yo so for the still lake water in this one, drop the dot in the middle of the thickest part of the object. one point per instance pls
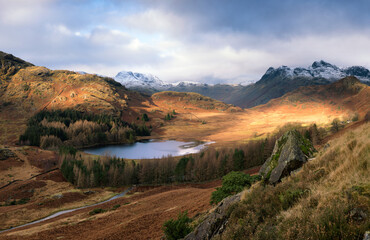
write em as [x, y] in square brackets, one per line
[149, 149]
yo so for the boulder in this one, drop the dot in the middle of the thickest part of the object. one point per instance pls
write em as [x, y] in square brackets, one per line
[291, 151]
[215, 222]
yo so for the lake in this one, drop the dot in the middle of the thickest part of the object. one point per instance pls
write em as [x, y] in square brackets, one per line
[149, 149]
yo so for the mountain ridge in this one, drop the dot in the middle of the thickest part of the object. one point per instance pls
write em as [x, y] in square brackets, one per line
[273, 84]
[318, 69]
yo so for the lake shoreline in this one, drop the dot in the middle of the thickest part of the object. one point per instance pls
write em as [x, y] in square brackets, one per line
[148, 149]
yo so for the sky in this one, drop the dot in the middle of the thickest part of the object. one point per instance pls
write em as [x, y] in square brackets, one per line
[210, 41]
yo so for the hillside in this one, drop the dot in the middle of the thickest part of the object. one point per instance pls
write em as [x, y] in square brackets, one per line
[347, 93]
[29, 89]
[192, 101]
[10, 65]
[320, 104]
[326, 199]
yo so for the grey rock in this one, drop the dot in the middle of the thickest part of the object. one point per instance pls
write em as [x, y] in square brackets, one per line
[215, 222]
[291, 151]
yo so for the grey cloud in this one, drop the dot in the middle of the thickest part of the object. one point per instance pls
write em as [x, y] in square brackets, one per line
[215, 41]
[271, 17]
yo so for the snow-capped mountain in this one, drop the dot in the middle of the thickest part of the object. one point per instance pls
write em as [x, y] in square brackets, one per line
[140, 80]
[319, 69]
[273, 84]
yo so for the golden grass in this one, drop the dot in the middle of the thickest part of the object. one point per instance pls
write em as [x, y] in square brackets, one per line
[237, 127]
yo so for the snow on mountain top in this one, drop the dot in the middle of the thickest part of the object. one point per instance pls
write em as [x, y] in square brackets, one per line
[322, 64]
[131, 79]
[320, 69]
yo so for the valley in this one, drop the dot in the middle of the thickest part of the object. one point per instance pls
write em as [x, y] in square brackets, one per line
[32, 184]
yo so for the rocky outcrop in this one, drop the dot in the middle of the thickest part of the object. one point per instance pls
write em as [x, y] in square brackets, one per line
[215, 222]
[291, 151]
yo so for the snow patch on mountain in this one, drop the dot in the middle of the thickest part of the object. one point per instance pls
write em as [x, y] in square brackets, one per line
[187, 84]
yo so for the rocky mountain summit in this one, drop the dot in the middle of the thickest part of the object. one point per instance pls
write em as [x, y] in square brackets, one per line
[318, 69]
[291, 151]
[139, 80]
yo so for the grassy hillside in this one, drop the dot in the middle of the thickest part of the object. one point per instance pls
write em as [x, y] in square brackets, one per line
[193, 101]
[26, 89]
[328, 198]
[347, 93]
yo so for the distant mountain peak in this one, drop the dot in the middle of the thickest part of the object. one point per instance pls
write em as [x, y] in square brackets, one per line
[318, 69]
[322, 63]
[134, 80]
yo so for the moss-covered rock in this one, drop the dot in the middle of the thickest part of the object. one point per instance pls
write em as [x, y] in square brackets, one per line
[290, 152]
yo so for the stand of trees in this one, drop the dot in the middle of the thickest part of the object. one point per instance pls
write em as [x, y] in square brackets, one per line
[101, 172]
[208, 165]
[51, 129]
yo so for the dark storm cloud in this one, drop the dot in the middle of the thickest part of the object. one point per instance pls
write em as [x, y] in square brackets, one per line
[271, 17]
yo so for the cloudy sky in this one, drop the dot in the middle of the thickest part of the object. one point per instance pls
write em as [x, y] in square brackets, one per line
[186, 40]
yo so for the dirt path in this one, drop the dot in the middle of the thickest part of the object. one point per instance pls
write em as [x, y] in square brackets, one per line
[60, 213]
[140, 216]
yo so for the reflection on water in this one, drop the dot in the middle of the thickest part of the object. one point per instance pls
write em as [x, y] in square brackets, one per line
[149, 149]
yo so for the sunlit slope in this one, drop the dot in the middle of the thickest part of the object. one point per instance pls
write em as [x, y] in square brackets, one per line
[320, 104]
